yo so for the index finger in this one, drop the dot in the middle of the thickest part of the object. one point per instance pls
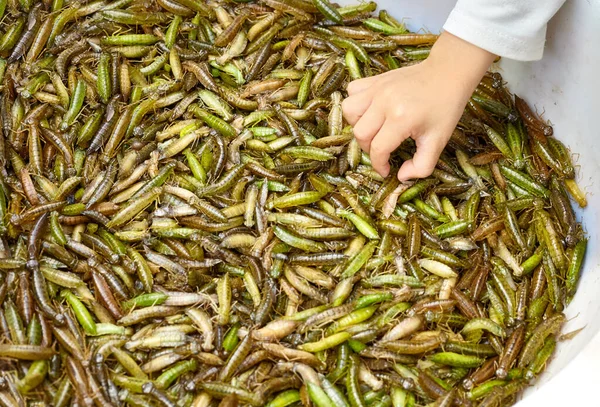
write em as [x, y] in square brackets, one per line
[359, 85]
[354, 107]
[385, 142]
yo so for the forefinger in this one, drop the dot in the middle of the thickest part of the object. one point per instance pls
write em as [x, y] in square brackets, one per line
[385, 142]
[359, 85]
[367, 127]
[354, 107]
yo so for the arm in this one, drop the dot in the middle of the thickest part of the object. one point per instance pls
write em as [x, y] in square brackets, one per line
[514, 29]
[425, 101]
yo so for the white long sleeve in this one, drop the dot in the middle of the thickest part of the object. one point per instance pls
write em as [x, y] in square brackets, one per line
[514, 29]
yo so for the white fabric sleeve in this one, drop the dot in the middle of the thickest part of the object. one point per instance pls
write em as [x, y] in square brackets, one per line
[514, 29]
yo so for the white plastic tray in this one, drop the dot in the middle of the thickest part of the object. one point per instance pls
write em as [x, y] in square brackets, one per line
[565, 85]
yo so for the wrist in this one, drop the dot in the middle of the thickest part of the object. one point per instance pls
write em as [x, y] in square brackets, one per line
[459, 61]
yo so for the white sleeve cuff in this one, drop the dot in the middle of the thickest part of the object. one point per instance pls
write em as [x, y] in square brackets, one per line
[496, 37]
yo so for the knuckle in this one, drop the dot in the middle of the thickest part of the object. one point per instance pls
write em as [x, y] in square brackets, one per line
[360, 136]
[390, 92]
[398, 113]
[353, 86]
[347, 105]
[376, 149]
[381, 144]
[382, 152]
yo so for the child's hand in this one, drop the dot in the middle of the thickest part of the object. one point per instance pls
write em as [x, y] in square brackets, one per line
[423, 102]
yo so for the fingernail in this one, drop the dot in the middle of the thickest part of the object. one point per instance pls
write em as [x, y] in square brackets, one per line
[406, 182]
[403, 180]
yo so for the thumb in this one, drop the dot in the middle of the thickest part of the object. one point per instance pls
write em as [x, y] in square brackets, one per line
[423, 162]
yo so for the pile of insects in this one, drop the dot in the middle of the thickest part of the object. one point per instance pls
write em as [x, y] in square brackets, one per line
[186, 220]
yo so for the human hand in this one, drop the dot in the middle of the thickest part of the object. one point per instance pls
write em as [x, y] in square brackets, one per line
[423, 102]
